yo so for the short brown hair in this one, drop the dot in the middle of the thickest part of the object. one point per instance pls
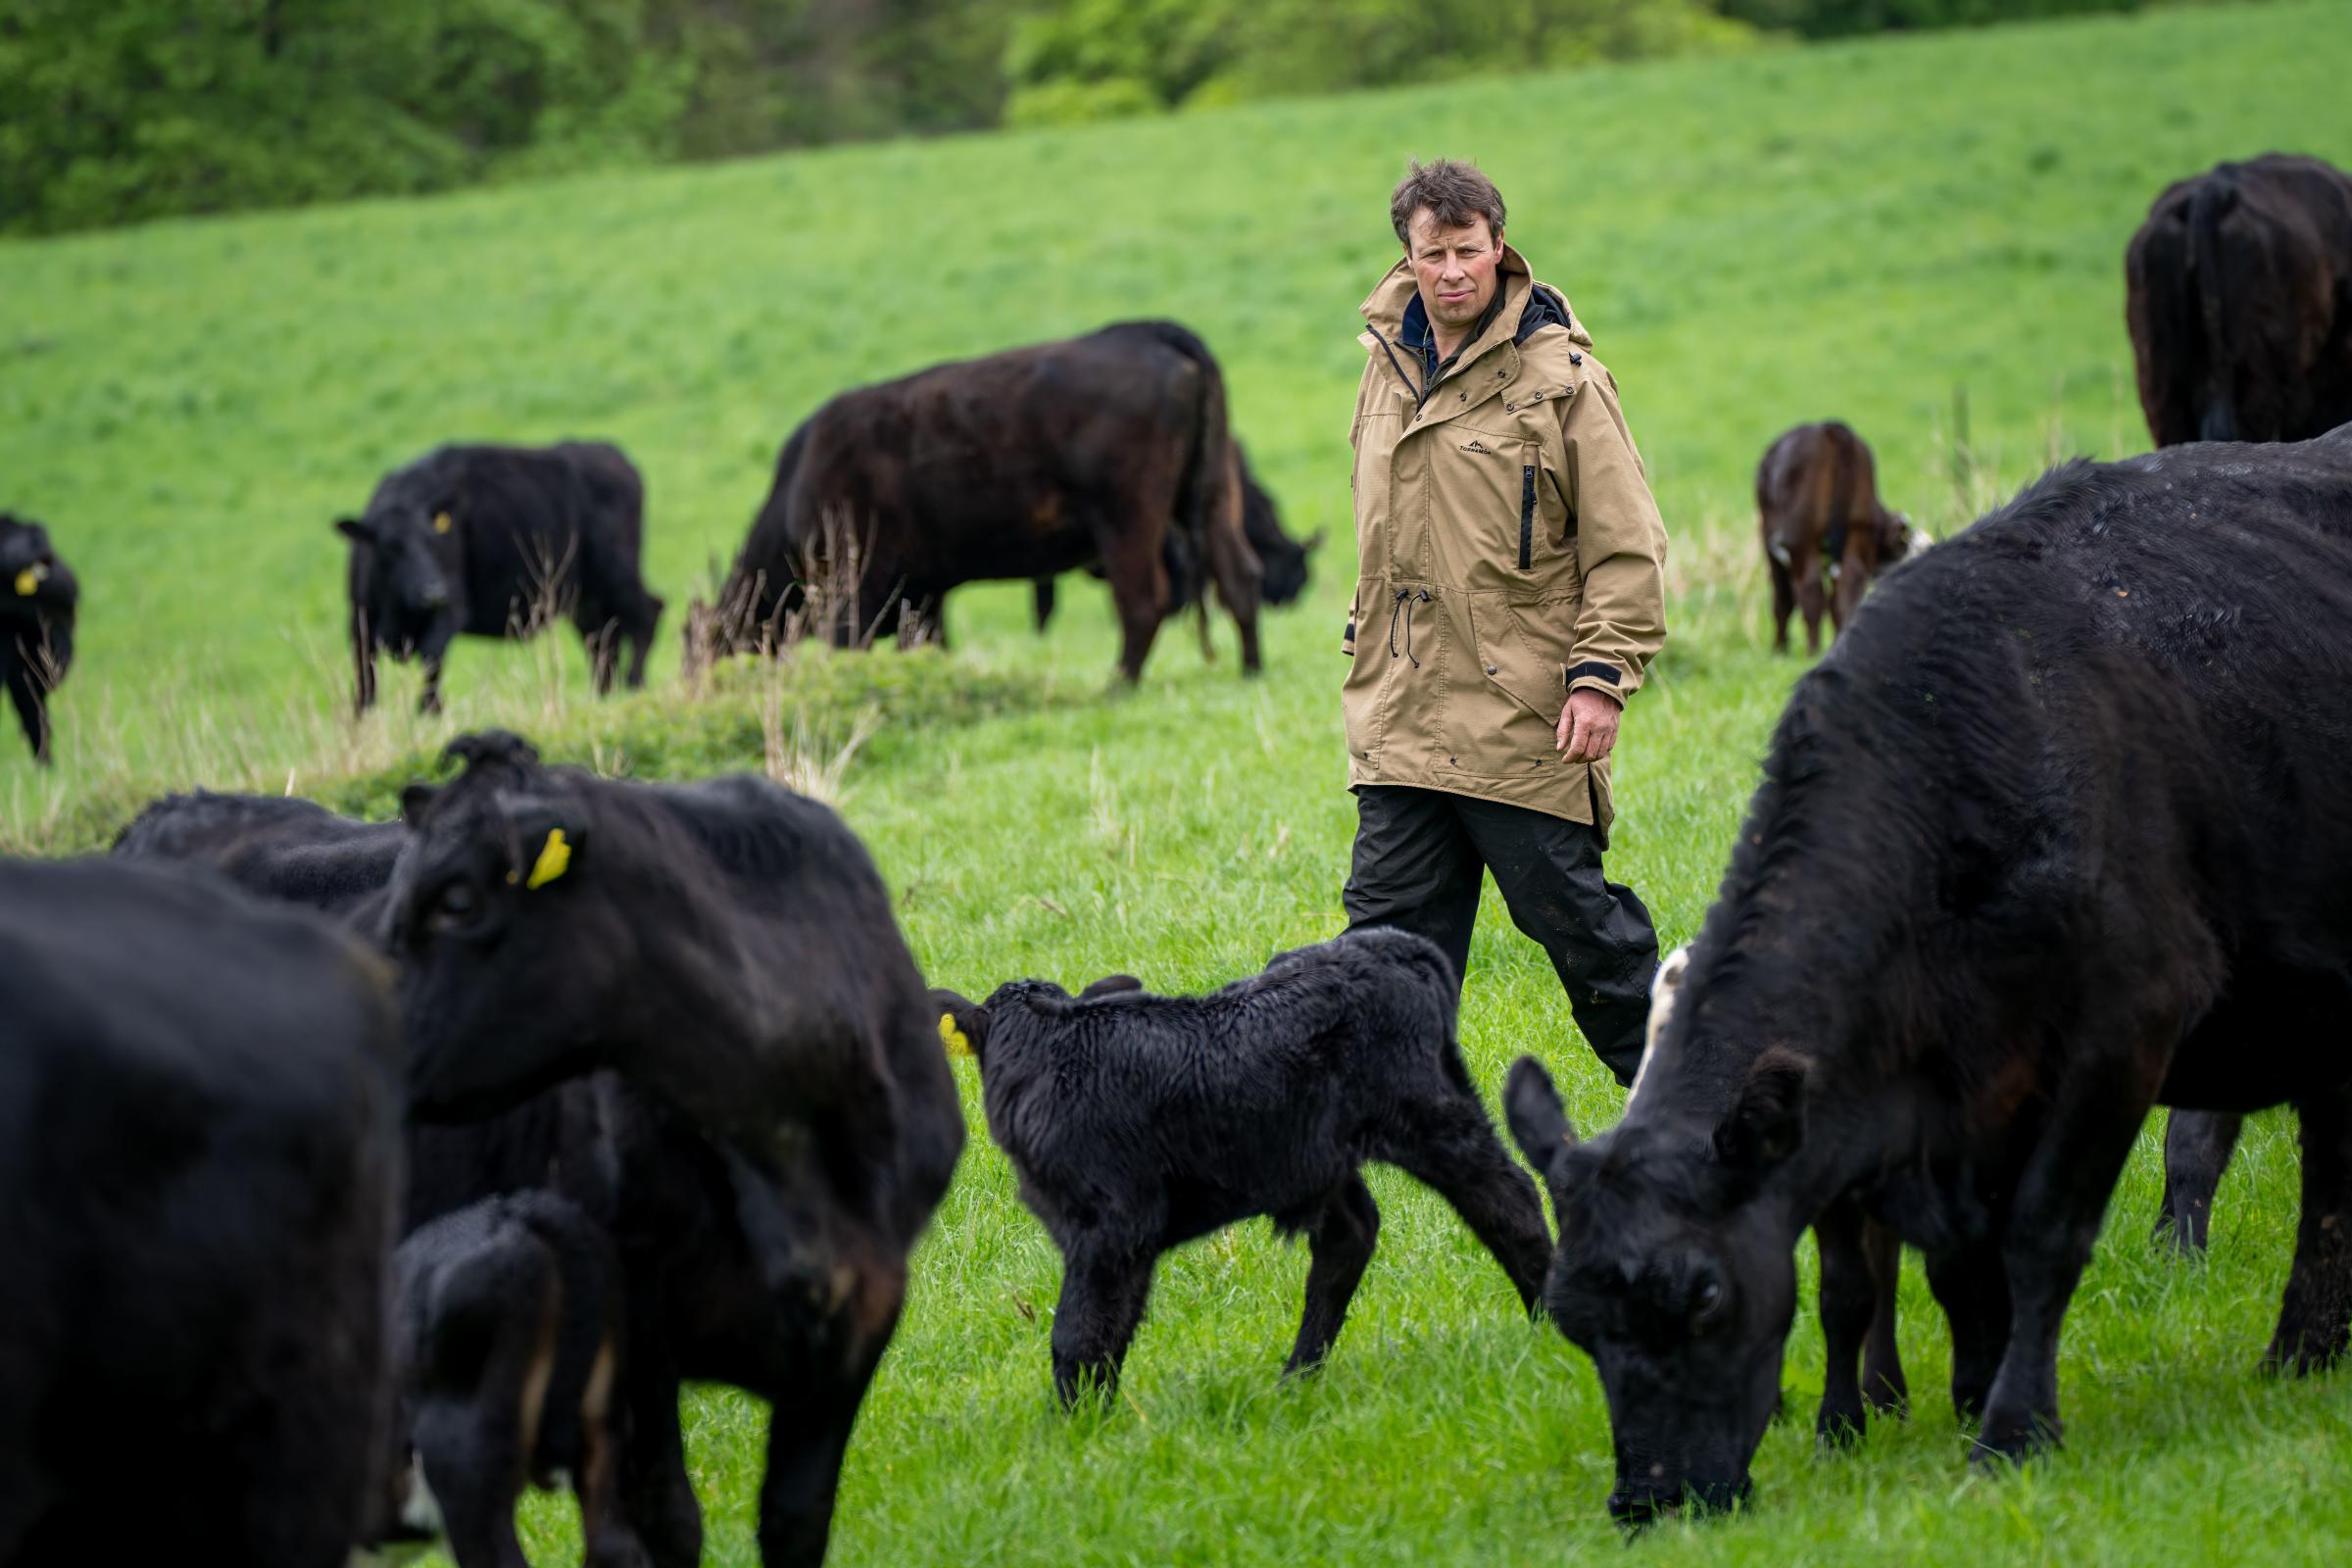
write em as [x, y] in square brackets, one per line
[1454, 193]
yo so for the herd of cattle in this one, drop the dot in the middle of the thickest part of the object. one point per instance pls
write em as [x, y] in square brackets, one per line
[356, 1175]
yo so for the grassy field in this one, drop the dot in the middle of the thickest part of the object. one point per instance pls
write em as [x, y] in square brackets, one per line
[1873, 231]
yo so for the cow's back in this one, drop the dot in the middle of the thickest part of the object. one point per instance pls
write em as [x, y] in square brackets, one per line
[198, 1125]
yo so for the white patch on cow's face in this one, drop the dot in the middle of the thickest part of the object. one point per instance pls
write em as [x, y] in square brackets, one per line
[419, 1509]
[1662, 989]
[1777, 551]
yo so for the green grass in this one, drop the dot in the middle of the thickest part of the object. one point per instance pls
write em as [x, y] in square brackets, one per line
[1853, 231]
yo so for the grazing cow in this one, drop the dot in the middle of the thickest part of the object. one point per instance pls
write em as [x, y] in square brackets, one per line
[1282, 559]
[1860, 1257]
[1825, 532]
[1138, 1123]
[1019, 466]
[729, 948]
[508, 1328]
[37, 624]
[2238, 296]
[2061, 809]
[199, 1124]
[496, 542]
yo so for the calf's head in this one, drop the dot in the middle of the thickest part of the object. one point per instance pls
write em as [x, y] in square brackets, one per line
[1896, 537]
[1675, 1273]
[28, 564]
[412, 584]
[518, 955]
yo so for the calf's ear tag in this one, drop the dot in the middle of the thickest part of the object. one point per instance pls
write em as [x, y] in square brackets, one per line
[26, 581]
[958, 1044]
[555, 859]
[440, 522]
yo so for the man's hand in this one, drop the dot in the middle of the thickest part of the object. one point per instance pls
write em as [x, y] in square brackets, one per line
[1587, 726]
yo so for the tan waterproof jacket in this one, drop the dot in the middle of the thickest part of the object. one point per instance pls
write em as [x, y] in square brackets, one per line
[1509, 553]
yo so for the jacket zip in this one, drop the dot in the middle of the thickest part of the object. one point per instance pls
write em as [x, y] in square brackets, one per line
[1527, 516]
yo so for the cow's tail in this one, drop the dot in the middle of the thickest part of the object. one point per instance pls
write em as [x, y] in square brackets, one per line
[1208, 469]
[2214, 200]
[1844, 469]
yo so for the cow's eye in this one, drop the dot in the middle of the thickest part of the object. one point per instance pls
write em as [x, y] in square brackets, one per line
[1707, 1306]
[454, 905]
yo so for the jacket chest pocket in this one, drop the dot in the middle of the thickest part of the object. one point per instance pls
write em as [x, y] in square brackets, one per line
[1488, 500]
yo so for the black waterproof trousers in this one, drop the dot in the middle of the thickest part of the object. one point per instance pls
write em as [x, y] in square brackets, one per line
[1418, 858]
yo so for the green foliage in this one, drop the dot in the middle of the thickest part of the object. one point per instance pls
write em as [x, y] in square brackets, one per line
[1847, 231]
[1086, 59]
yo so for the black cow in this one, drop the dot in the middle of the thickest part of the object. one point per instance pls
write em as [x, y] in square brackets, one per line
[37, 599]
[2238, 298]
[1283, 561]
[1019, 466]
[199, 1123]
[2101, 867]
[508, 1323]
[728, 946]
[1138, 1123]
[277, 845]
[786, 1287]
[498, 542]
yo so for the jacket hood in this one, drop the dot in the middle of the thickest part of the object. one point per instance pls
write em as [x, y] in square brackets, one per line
[1527, 305]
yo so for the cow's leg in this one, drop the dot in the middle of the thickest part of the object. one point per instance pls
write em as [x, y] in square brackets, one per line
[1138, 588]
[1809, 602]
[655, 1490]
[472, 1460]
[2198, 1145]
[602, 639]
[1235, 572]
[1853, 575]
[1883, 1386]
[24, 692]
[362, 658]
[605, 1530]
[1974, 1292]
[637, 631]
[1783, 602]
[1103, 1290]
[2315, 1317]
[1342, 1235]
[430, 702]
[2053, 1222]
[809, 1435]
[1849, 1299]
[1448, 1143]
[1042, 601]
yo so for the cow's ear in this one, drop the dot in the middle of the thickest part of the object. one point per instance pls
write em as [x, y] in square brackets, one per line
[415, 801]
[1767, 1122]
[551, 852]
[962, 1025]
[354, 528]
[1540, 1127]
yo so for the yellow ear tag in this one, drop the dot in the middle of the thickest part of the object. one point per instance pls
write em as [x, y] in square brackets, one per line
[955, 1039]
[555, 859]
[28, 580]
[440, 522]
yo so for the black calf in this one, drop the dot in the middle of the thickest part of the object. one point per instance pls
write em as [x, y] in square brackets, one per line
[37, 599]
[509, 1330]
[1138, 1123]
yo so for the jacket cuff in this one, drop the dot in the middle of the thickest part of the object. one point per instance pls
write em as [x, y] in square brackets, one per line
[1598, 675]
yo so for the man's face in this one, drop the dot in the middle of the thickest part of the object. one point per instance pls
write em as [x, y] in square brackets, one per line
[1455, 269]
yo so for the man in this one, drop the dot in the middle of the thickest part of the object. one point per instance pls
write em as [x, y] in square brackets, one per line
[1509, 598]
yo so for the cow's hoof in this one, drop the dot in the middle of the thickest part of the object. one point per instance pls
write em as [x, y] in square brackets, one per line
[2299, 1355]
[2008, 1442]
[1838, 1431]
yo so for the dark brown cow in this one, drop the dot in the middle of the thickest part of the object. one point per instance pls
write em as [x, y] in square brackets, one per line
[1018, 465]
[2240, 301]
[1825, 533]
